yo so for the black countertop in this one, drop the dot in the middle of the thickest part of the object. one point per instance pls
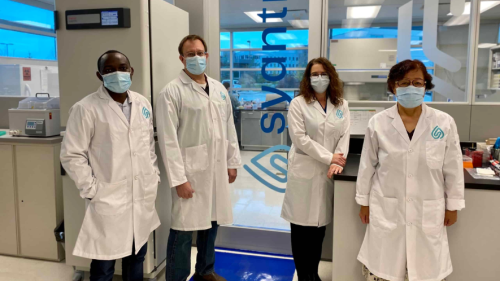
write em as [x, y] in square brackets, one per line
[350, 173]
[262, 109]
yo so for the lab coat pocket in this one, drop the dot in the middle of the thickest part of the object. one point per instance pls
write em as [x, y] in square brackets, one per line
[383, 212]
[435, 154]
[110, 199]
[433, 216]
[150, 185]
[303, 166]
[196, 159]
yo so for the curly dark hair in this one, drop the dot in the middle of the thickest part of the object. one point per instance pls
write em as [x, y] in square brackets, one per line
[334, 91]
[399, 71]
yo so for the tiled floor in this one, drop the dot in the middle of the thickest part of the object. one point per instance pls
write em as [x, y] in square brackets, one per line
[18, 269]
[254, 204]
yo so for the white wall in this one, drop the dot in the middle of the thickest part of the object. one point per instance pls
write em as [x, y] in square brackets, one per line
[37, 68]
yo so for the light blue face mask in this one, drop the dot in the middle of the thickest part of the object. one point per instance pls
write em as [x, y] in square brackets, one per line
[117, 82]
[196, 65]
[410, 97]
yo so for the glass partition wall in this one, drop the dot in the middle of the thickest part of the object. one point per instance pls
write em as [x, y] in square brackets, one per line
[487, 86]
[263, 58]
[366, 38]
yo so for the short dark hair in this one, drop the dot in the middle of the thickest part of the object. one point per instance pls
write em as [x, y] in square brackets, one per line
[399, 71]
[100, 62]
[192, 37]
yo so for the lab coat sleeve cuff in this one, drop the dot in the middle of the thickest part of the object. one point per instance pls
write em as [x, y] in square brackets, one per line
[177, 183]
[363, 200]
[90, 193]
[337, 166]
[234, 166]
[455, 204]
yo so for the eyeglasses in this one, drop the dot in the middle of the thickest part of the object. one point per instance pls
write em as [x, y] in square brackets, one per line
[193, 54]
[419, 83]
[315, 74]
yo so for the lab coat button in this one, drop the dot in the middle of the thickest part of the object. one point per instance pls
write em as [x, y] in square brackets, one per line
[408, 224]
[135, 153]
[410, 176]
[136, 177]
[411, 150]
[409, 200]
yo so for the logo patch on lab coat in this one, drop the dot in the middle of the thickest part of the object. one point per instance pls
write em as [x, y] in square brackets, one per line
[340, 114]
[437, 133]
[223, 96]
[145, 112]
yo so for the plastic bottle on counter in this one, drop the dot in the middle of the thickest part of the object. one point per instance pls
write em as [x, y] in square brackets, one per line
[477, 159]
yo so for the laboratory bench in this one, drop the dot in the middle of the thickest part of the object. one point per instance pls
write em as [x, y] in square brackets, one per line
[31, 197]
[473, 240]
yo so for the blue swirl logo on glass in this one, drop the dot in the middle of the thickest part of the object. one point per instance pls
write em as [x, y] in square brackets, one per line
[273, 161]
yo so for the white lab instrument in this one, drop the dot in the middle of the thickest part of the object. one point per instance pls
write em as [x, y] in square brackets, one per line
[277, 106]
[408, 186]
[36, 117]
[150, 42]
[316, 135]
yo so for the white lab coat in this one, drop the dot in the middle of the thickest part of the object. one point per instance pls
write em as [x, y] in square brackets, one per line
[408, 185]
[198, 144]
[316, 136]
[113, 163]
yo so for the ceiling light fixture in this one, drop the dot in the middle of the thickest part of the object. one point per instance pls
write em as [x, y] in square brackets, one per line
[485, 6]
[363, 12]
[254, 15]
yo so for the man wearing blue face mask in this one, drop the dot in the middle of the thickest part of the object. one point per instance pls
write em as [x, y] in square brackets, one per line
[109, 152]
[200, 150]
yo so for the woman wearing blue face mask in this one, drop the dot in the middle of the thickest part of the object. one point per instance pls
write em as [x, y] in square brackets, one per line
[319, 123]
[410, 183]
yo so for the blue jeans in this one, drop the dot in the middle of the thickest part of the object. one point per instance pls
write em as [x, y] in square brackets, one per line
[179, 253]
[132, 267]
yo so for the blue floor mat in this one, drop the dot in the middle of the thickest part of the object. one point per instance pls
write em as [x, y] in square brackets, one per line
[236, 267]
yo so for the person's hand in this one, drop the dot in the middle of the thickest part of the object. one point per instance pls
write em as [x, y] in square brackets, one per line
[334, 170]
[338, 158]
[185, 191]
[450, 218]
[364, 214]
[232, 173]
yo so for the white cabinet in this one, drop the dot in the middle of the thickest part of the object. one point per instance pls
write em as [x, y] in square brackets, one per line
[30, 199]
[8, 229]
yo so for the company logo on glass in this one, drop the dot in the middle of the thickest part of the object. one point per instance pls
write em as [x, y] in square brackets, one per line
[273, 161]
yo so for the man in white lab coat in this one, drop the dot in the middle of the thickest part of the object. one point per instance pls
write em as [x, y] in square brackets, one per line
[200, 150]
[109, 151]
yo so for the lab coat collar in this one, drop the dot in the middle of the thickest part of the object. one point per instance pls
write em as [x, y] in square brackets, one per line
[422, 124]
[185, 79]
[329, 107]
[103, 94]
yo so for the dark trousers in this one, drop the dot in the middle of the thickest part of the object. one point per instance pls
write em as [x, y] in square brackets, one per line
[132, 267]
[179, 253]
[307, 244]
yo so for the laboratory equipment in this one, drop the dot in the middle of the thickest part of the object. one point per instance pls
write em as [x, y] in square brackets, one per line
[36, 117]
[467, 162]
[150, 41]
[494, 69]
[277, 106]
[477, 159]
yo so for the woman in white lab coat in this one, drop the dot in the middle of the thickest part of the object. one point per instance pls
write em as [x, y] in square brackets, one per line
[318, 120]
[410, 183]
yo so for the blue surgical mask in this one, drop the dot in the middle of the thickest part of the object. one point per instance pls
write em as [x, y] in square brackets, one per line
[410, 97]
[117, 82]
[196, 65]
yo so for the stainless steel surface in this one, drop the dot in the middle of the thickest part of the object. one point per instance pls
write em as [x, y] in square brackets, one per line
[252, 136]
